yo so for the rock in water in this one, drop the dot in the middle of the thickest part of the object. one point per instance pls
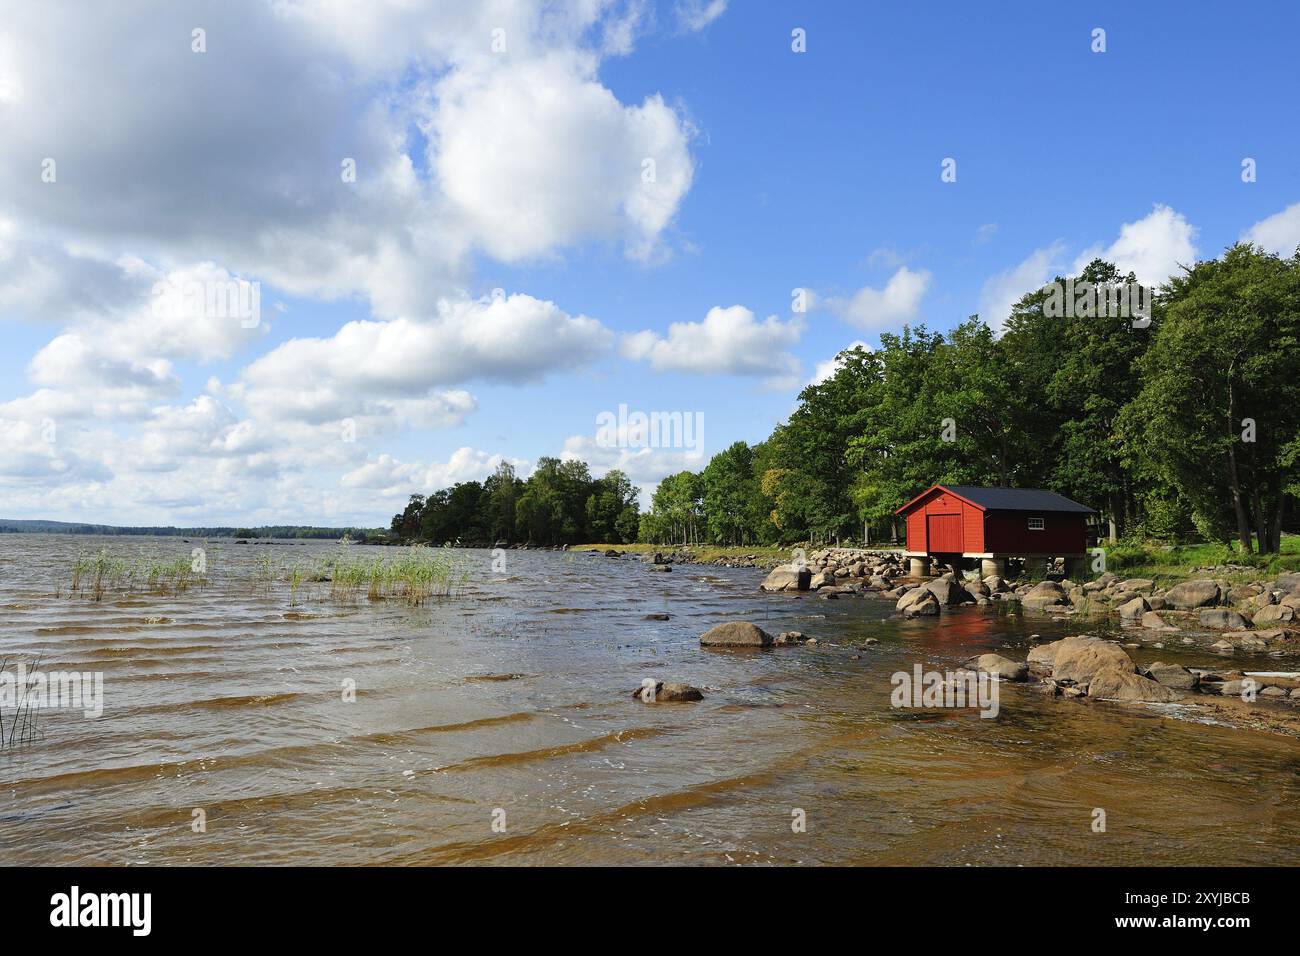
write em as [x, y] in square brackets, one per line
[1192, 594]
[1154, 622]
[1005, 668]
[918, 602]
[948, 592]
[736, 634]
[1222, 618]
[1113, 683]
[1134, 609]
[1045, 594]
[787, 578]
[660, 692]
[1171, 675]
[1081, 658]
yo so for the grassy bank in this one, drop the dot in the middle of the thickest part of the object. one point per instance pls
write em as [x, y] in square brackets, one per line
[1166, 563]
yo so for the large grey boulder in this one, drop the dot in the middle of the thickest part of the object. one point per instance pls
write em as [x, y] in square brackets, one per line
[1042, 656]
[786, 577]
[1190, 595]
[1172, 675]
[1081, 658]
[736, 634]
[1274, 614]
[1223, 619]
[919, 602]
[1045, 594]
[1112, 683]
[1134, 609]
[948, 592]
[1289, 582]
[820, 580]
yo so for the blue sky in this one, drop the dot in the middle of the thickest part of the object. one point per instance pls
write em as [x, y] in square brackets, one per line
[817, 170]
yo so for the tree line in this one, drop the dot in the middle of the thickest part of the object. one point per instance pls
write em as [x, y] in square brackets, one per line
[1182, 423]
[559, 503]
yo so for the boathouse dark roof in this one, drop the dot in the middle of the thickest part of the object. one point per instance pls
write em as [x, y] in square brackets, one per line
[1009, 499]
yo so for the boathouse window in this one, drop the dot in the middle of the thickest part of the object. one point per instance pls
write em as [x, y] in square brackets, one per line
[1035, 524]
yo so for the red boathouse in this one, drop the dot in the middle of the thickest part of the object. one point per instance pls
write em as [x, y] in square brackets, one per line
[963, 524]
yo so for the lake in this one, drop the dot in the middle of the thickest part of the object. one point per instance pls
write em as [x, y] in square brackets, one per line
[497, 726]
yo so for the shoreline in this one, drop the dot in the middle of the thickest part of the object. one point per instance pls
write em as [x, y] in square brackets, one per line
[1198, 614]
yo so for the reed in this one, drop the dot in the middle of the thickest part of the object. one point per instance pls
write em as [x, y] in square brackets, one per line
[94, 575]
[414, 576]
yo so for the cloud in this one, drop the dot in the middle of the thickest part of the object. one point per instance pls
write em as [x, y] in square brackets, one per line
[695, 15]
[370, 365]
[828, 368]
[729, 341]
[1279, 233]
[888, 307]
[505, 144]
[985, 233]
[1000, 292]
[1152, 248]
[476, 130]
[393, 478]
[412, 93]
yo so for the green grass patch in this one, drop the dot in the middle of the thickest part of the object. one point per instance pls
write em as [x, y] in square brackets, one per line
[1166, 563]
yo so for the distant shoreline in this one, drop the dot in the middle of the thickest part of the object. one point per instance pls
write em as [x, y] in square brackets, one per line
[42, 526]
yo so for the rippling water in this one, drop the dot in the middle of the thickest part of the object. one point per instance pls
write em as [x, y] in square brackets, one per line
[511, 702]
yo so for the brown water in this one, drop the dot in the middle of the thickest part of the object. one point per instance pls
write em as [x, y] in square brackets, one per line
[514, 696]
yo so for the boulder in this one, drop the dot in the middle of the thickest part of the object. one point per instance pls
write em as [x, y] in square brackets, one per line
[1190, 595]
[948, 592]
[1134, 609]
[1045, 594]
[1223, 619]
[1289, 582]
[1172, 675]
[1274, 614]
[786, 577]
[995, 583]
[661, 567]
[1107, 578]
[1136, 584]
[917, 603]
[1244, 592]
[1153, 621]
[1081, 658]
[789, 638]
[1005, 668]
[1235, 688]
[1042, 656]
[662, 692]
[736, 634]
[1114, 683]
[820, 580]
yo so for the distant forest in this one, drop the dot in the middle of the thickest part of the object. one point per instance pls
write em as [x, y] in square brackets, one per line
[1186, 426]
[22, 526]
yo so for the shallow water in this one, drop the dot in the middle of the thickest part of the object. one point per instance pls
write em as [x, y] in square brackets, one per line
[511, 702]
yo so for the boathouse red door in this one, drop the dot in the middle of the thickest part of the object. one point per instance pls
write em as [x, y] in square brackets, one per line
[943, 534]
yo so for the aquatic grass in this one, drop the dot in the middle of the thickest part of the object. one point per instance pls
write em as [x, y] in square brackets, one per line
[415, 575]
[94, 575]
